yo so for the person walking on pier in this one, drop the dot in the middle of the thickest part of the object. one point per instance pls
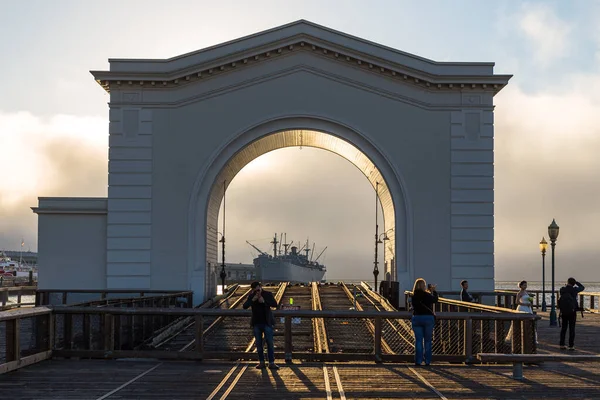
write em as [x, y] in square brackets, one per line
[568, 306]
[423, 320]
[262, 322]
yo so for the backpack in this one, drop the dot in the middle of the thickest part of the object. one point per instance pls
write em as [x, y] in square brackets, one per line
[567, 304]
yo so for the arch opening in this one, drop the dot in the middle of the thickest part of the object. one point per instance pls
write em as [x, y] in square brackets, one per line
[204, 237]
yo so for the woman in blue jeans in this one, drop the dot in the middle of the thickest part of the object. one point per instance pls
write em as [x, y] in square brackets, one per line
[423, 319]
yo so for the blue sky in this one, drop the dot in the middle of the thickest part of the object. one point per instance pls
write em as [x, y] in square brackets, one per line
[547, 119]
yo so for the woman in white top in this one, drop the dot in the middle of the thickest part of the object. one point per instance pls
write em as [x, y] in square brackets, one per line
[523, 305]
[523, 299]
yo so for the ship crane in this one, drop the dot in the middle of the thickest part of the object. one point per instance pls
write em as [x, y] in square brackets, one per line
[320, 254]
[257, 249]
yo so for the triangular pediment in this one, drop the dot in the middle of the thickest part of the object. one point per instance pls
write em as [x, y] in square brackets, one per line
[296, 37]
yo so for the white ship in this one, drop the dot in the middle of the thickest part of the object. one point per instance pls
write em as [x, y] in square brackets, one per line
[288, 267]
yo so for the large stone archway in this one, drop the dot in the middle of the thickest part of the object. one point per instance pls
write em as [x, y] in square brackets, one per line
[289, 132]
[177, 124]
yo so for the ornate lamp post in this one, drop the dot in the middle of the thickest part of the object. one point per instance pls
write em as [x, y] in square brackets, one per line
[553, 234]
[377, 241]
[222, 241]
[543, 247]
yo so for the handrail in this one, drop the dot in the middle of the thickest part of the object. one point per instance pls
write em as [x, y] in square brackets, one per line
[289, 313]
[469, 305]
[128, 300]
[5, 293]
[44, 332]
[476, 306]
[42, 296]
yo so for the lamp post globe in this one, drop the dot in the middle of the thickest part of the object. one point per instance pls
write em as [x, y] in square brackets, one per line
[553, 230]
[543, 248]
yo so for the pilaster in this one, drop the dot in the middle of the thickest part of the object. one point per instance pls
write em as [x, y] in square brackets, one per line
[129, 225]
[472, 192]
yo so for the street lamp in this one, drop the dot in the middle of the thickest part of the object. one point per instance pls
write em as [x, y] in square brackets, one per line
[223, 274]
[543, 247]
[222, 241]
[553, 234]
[377, 241]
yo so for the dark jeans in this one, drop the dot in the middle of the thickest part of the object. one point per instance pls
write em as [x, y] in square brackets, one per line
[259, 330]
[568, 321]
[423, 327]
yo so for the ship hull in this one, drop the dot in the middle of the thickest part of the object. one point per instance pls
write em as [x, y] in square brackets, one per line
[273, 270]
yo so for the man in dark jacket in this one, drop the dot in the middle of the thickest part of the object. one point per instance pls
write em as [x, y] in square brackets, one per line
[568, 306]
[262, 322]
[464, 294]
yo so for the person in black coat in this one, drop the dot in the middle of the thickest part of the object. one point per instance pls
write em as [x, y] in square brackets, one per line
[423, 320]
[262, 322]
[568, 306]
[464, 294]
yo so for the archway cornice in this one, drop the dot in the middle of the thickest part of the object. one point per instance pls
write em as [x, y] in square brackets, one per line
[300, 42]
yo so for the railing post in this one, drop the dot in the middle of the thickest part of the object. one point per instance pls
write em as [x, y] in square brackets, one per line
[468, 351]
[528, 335]
[378, 339]
[13, 347]
[64, 298]
[109, 329]
[592, 303]
[51, 330]
[199, 334]
[288, 339]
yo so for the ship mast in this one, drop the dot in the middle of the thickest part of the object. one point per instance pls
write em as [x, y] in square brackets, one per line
[274, 243]
[307, 250]
[286, 244]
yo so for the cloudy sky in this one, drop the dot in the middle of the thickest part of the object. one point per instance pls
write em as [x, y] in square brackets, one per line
[53, 117]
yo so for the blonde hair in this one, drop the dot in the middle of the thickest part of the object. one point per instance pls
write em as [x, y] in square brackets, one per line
[420, 284]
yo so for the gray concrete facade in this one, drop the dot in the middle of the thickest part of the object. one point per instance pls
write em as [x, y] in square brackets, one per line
[182, 128]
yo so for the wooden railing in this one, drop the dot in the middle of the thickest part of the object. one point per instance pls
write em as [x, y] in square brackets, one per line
[65, 296]
[176, 299]
[507, 299]
[17, 291]
[37, 324]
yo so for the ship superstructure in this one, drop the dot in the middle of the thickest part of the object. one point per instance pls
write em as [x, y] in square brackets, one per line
[292, 266]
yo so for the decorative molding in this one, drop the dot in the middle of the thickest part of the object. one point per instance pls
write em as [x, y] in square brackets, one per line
[127, 81]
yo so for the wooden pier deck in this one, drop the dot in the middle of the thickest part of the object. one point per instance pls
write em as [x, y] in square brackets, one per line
[151, 379]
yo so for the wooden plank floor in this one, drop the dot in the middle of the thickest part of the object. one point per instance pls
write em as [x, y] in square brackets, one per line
[150, 379]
